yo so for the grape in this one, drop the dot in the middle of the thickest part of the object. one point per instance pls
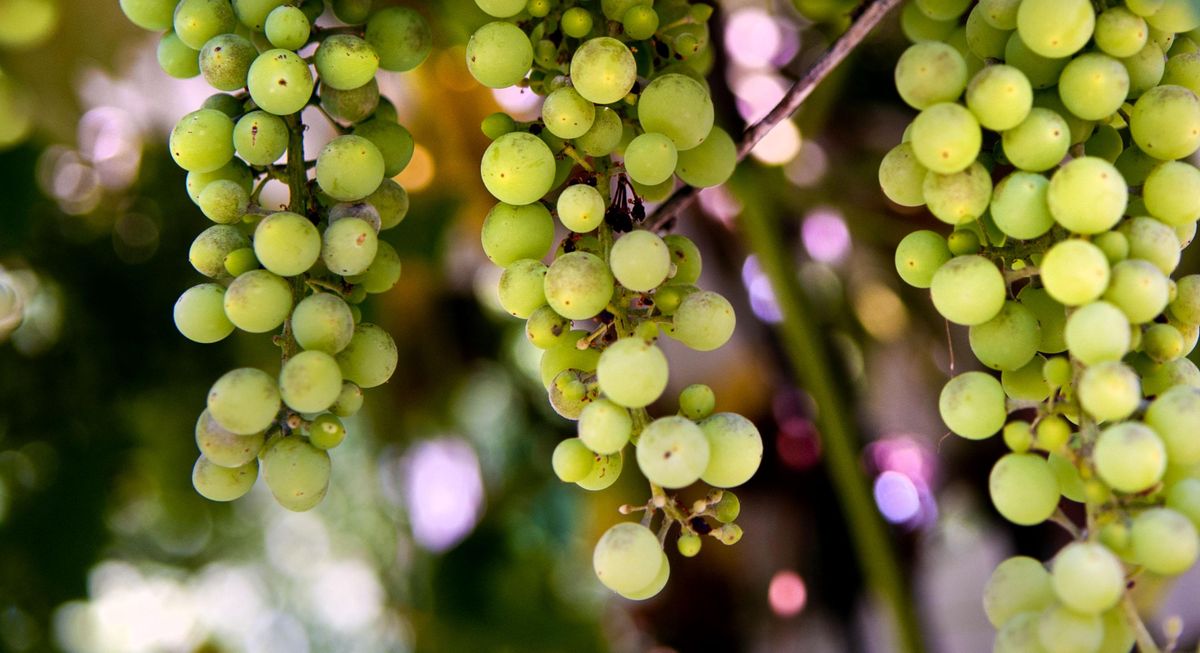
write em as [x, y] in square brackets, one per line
[567, 114]
[664, 572]
[225, 59]
[1120, 32]
[1186, 305]
[627, 558]
[1105, 143]
[1098, 332]
[224, 202]
[984, 40]
[370, 358]
[349, 246]
[1087, 195]
[1165, 541]
[323, 322]
[735, 450]
[709, 164]
[1075, 272]
[226, 104]
[1109, 391]
[501, 8]
[603, 136]
[153, 15]
[499, 55]
[1069, 480]
[310, 381]
[1019, 205]
[580, 208]
[963, 241]
[1139, 289]
[545, 328]
[1114, 244]
[1009, 340]
[1018, 436]
[1056, 28]
[572, 460]
[1173, 416]
[650, 159]
[1093, 86]
[1000, 96]
[1184, 498]
[686, 258]
[1172, 193]
[901, 176]
[640, 260]
[918, 257]
[202, 141]
[605, 471]
[518, 168]
[1026, 383]
[326, 432]
[1162, 343]
[349, 401]
[565, 355]
[234, 171]
[383, 273]
[576, 22]
[280, 82]
[918, 27]
[946, 138]
[1145, 69]
[297, 473]
[240, 261]
[603, 70]
[244, 401]
[1039, 142]
[697, 402]
[287, 28]
[1087, 577]
[672, 452]
[960, 197]
[401, 36]
[578, 285]
[632, 373]
[286, 243]
[1018, 635]
[1175, 16]
[1153, 241]
[570, 392]
[1057, 371]
[197, 21]
[200, 314]
[253, 13]
[1163, 377]
[521, 287]
[703, 321]
[1061, 630]
[929, 73]
[1165, 122]
[942, 9]
[1042, 71]
[391, 201]
[176, 58]
[210, 248]
[345, 61]
[604, 427]
[217, 483]
[1129, 457]
[222, 447]
[1183, 70]
[393, 141]
[678, 107]
[354, 105]
[349, 168]
[260, 138]
[1001, 14]
[258, 301]
[1018, 585]
[640, 22]
[972, 405]
[968, 290]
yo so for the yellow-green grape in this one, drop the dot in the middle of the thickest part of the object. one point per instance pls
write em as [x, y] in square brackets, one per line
[1042, 72]
[984, 40]
[918, 27]
[349, 401]
[1164, 541]
[576, 22]
[1183, 70]
[345, 61]
[567, 114]
[565, 355]
[605, 427]
[728, 508]
[1023, 488]
[1162, 343]
[678, 107]
[354, 105]
[1062, 630]
[578, 285]
[326, 431]
[697, 401]
[1087, 577]
[497, 124]
[349, 246]
[572, 461]
[901, 176]
[1184, 497]
[1019, 206]
[253, 13]
[1057, 371]
[391, 201]
[580, 208]
[1075, 272]
[260, 138]
[352, 12]
[570, 392]
[1098, 332]
[640, 260]
[972, 405]
[383, 273]
[197, 21]
[735, 450]
[224, 201]
[1172, 193]
[1093, 86]
[297, 473]
[1018, 635]
[235, 171]
[202, 141]
[1069, 480]
[1053, 433]
[1001, 14]
[153, 15]
[1175, 16]
[650, 159]
[200, 314]
[394, 143]
[258, 301]
[1087, 195]
[310, 381]
[946, 138]
[1165, 122]
[244, 401]
[499, 55]
[1153, 241]
[521, 290]
[1173, 416]
[217, 483]
[1106, 143]
[1186, 305]
[349, 168]
[672, 452]
[685, 256]
[323, 322]
[640, 22]
[176, 58]
[603, 70]
[1120, 32]
[210, 248]
[968, 290]
[703, 321]
[919, 255]
[1018, 585]
[280, 82]
[942, 9]
[627, 558]
[963, 241]
[604, 134]
[1000, 96]
[930, 72]
[511, 232]
[545, 328]
[1160, 378]
[518, 168]
[1018, 436]
[605, 471]
[1146, 69]
[710, 163]
[1109, 391]
[222, 447]
[370, 357]
[960, 197]
[287, 27]
[286, 243]
[655, 586]
[501, 8]
[1139, 289]
[632, 373]
[225, 60]
[688, 545]
[1009, 340]
[401, 36]
[1114, 244]
[1129, 457]
[1039, 143]
[1056, 28]
[1026, 383]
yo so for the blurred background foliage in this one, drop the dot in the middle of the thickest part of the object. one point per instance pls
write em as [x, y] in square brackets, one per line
[444, 529]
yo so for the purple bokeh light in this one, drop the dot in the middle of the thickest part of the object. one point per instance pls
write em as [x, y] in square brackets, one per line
[752, 37]
[897, 497]
[825, 235]
[443, 492]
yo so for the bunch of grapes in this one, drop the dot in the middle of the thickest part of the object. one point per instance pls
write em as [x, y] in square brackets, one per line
[303, 270]
[1053, 138]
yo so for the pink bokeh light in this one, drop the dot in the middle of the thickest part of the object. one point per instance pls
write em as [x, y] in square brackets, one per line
[787, 593]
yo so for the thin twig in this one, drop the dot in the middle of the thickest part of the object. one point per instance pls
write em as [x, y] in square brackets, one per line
[791, 102]
[1059, 517]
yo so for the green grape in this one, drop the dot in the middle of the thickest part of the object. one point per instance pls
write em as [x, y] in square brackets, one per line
[286, 243]
[946, 138]
[1018, 437]
[280, 82]
[1186, 305]
[1000, 96]
[576, 22]
[197, 21]
[919, 28]
[1057, 371]
[1062, 630]
[224, 201]
[1172, 193]
[1183, 70]
[1009, 340]
[942, 9]
[497, 124]
[1042, 72]
[258, 301]
[704, 321]
[1168, 375]
[1144, 8]
[640, 260]
[1139, 289]
[1184, 498]
[349, 401]
[323, 322]
[326, 432]
[901, 176]
[1075, 272]
[153, 15]
[650, 158]
[354, 105]
[578, 285]
[1129, 457]
[287, 28]
[603, 71]
[253, 13]
[672, 452]
[345, 61]
[217, 483]
[1093, 86]
[958, 198]
[656, 585]
[260, 138]
[1056, 28]
[1153, 241]
[1105, 143]
[919, 256]
[200, 314]
[580, 208]
[632, 373]
[972, 405]
[244, 401]
[352, 12]
[1173, 416]
[929, 73]
[210, 248]
[1053, 433]
[685, 256]
[604, 134]
[566, 355]
[518, 168]
[1162, 343]
[1114, 244]
[391, 201]
[1109, 391]
[968, 290]
[313, 9]
[521, 287]
[1098, 332]
[226, 104]
[1039, 143]
[735, 450]
[709, 164]
[235, 171]
[393, 141]
[370, 357]
[1145, 69]
[1165, 122]
[383, 273]
[297, 473]
[640, 22]
[1026, 383]
[1165, 541]
[1087, 195]
[1001, 14]
[225, 59]
[571, 391]
[963, 241]
[1175, 16]
[401, 36]
[697, 402]
[1018, 635]
[349, 168]
[1087, 577]
[1018, 585]
[501, 8]
[604, 427]
[572, 460]
[688, 545]
[1121, 33]
[545, 328]
[678, 107]
[310, 381]
[176, 58]
[515, 232]
[499, 55]
[627, 558]
[223, 448]
[1019, 205]
[567, 114]
[605, 471]
[202, 141]
[984, 40]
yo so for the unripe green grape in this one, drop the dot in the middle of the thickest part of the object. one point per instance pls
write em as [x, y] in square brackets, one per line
[632, 373]
[1173, 416]
[930, 72]
[697, 401]
[253, 13]
[576, 22]
[627, 558]
[1018, 635]
[280, 82]
[235, 171]
[1114, 244]
[1172, 193]
[688, 545]
[567, 114]
[370, 357]
[946, 138]
[499, 55]
[1145, 69]
[197, 21]
[1130, 457]
[1026, 383]
[260, 138]
[1009, 340]
[1168, 375]
[1057, 371]
[352, 12]
[1183, 70]
[497, 124]
[345, 61]
[605, 471]
[240, 261]
[709, 164]
[901, 176]
[919, 28]
[313, 9]
[984, 40]
[217, 483]
[1144, 8]
[287, 27]
[1105, 143]
[572, 461]
[942, 9]
[672, 452]
[297, 473]
[735, 450]
[1175, 16]
[244, 401]
[224, 201]
[1120, 32]
[1019, 206]
[968, 290]
[210, 248]
[310, 381]
[225, 59]
[640, 22]
[1018, 436]
[678, 107]
[258, 301]
[1165, 541]
[349, 168]
[286, 243]
[1162, 343]
[650, 158]
[501, 8]
[401, 36]
[545, 328]
[960, 197]
[1139, 289]
[602, 136]
[1039, 143]
[349, 400]
[578, 285]
[1109, 391]
[605, 427]
[176, 58]
[322, 322]
[1062, 630]
[383, 273]
[1075, 272]
[1165, 122]
[1018, 585]
[153, 15]
[518, 168]
[1087, 195]
[655, 586]
[1053, 433]
[1087, 577]
[603, 70]
[685, 256]
[704, 321]
[640, 260]
[918, 257]
[1098, 332]
[1000, 97]
[1056, 28]
[202, 141]
[1186, 305]
[565, 355]
[354, 105]
[972, 405]
[963, 241]
[391, 201]
[539, 8]
[200, 314]
[521, 288]
[394, 143]
[223, 448]
[326, 432]
[1153, 241]
[1184, 498]
[570, 392]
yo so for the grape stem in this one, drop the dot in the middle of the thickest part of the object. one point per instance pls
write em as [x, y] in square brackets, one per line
[297, 180]
[1059, 517]
[1145, 641]
[791, 102]
[1024, 273]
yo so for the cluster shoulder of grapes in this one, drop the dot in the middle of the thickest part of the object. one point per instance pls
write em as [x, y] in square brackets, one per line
[1054, 138]
[303, 270]
[626, 116]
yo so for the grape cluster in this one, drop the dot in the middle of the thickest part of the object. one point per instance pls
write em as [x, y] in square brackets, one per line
[306, 269]
[626, 113]
[24, 24]
[1053, 138]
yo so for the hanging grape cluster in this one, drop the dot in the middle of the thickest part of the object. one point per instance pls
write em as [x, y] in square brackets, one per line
[303, 270]
[626, 112]
[1053, 138]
